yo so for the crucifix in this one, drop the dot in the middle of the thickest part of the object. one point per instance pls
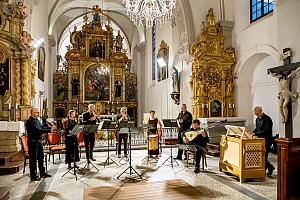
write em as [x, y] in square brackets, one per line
[285, 73]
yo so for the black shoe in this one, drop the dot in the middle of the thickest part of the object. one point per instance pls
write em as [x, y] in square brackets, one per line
[197, 170]
[35, 178]
[45, 175]
[125, 155]
[69, 166]
[93, 159]
[185, 158]
[119, 155]
[270, 172]
[178, 158]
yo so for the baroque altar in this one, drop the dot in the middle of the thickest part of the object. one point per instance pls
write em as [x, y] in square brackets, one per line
[96, 71]
[16, 67]
[212, 73]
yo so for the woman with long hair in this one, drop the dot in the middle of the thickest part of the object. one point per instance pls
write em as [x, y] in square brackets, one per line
[70, 139]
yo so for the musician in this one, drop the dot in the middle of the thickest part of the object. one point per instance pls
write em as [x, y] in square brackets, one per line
[71, 140]
[263, 129]
[35, 129]
[200, 142]
[153, 121]
[122, 123]
[185, 120]
[89, 117]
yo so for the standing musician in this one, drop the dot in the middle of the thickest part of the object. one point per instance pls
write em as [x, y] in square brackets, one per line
[71, 140]
[185, 120]
[122, 123]
[89, 117]
[200, 142]
[35, 129]
[153, 121]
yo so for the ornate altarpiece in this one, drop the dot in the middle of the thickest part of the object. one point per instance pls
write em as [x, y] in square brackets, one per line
[95, 72]
[15, 62]
[212, 73]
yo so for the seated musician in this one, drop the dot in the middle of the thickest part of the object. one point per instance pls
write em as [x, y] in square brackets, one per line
[71, 140]
[200, 142]
[154, 122]
[122, 123]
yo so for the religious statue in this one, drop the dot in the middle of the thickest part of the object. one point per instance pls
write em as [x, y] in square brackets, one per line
[229, 88]
[25, 38]
[285, 94]
[119, 41]
[75, 87]
[175, 80]
[96, 13]
[176, 93]
[118, 88]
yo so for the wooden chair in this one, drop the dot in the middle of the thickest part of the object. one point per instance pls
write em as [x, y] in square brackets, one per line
[24, 145]
[54, 145]
[80, 139]
[191, 152]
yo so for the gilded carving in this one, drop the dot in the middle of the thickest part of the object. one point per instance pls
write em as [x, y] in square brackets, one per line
[25, 82]
[94, 69]
[211, 81]
[33, 71]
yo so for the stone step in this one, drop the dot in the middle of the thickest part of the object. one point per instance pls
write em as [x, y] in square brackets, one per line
[6, 157]
[4, 193]
[11, 167]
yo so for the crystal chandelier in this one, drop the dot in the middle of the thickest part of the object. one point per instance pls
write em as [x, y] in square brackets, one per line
[149, 12]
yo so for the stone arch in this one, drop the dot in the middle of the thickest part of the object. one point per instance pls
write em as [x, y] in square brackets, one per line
[249, 90]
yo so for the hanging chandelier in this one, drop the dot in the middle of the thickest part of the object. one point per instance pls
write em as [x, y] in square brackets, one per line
[149, 12]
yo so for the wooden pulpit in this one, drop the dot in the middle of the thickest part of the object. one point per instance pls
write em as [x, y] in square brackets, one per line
[288, 175]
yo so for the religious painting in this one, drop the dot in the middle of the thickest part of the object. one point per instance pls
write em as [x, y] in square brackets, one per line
[4, 74]
[41, 63]
[97, 83]
[97, 49]
[162, 61]
[215, 108]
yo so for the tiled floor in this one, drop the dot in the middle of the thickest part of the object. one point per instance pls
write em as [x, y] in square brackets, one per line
[211, 183]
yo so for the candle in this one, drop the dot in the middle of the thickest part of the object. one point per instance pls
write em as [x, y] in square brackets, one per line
[203, 105]
[232, 105]
[16, 106]
[9, 106]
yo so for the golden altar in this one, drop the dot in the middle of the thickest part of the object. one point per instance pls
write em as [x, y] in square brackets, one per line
[242, 155]
[96, 71]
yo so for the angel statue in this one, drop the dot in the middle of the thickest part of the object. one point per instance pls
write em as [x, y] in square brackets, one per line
[285, 94]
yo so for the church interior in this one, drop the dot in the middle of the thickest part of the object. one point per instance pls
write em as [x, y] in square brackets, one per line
[154, 99]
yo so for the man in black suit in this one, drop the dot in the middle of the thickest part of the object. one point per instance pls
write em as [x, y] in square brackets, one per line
[185, 120]
[35, 129]
[89, 117]
[263, 129]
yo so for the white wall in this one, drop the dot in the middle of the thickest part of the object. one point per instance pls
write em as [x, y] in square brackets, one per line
[39, 29]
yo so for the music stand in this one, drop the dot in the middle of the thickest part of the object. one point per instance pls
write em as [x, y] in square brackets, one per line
[74, 132]
[130, 168]
[90, 129]
[108, 125]
[170, 123]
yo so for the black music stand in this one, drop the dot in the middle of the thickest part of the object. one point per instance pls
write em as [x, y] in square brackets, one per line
[108, 125]
[74, 132]
[90, 129]
[170, 123]
[130, 168]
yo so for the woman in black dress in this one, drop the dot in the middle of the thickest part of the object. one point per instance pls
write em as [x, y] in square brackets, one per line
[71, 140]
